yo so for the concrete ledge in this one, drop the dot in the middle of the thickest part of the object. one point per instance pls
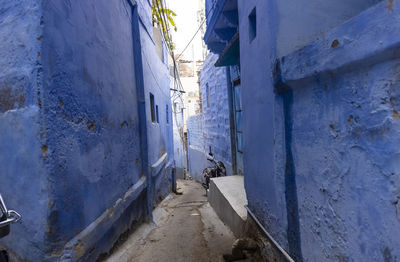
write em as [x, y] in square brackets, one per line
[369, 38]
[228, 198]
[87, 244]
[157, 166]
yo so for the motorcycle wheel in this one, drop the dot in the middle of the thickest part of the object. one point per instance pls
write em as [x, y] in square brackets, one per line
[3, 256]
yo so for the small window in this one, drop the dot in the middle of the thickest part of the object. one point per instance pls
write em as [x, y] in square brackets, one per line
[253, 25]
[153, 116]
[158, 120]
[208, 95]
[167, 113]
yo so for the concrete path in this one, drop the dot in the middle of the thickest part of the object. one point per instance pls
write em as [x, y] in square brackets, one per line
[185, 229]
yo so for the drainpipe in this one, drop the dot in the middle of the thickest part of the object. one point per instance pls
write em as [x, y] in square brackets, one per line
[140, 89]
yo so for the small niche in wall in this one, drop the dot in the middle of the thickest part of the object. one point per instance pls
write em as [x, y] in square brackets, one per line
[167, 113]
[208, 95]
[253, 25]
[152, 109]
[158, 120]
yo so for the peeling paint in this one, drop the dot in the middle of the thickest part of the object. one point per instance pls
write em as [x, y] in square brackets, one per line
[91, 125]
[44, 149]
[390, 5]
[11, 98]
[335, 43]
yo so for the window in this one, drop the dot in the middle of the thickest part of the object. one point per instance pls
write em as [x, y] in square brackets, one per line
[158, 120]
[208, 95]
[153, 117]
[252, 25]
[167, 113]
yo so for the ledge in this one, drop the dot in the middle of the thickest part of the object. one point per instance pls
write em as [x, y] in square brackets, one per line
[157, 166]
[369, 38]
[88, 239]
[218, 6]
[227, 197]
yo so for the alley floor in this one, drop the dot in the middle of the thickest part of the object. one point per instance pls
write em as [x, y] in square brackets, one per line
[185, 229]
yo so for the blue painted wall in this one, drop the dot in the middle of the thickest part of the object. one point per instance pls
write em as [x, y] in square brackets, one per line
[212, 127]
[288, 163]
[320, 129]
[216, 111]
[180, 155]
[71, 126]
[157, 82]
[346, 171]
[23, 181]
[196, 147]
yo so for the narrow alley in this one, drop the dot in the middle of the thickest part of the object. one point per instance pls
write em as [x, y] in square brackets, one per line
[116, 116]
[185, 228]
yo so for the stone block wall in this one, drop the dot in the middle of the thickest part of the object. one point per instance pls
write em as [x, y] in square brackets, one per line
[210, 131]
[216, 111]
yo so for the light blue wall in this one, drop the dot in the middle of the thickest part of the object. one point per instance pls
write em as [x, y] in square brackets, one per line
[196, 147]
[70, 124]
[323, 190]
[216, 115]
[180, 156]
[212, 127]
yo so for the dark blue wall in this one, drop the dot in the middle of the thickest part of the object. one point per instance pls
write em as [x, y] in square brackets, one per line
[73, 125]
[23, 181]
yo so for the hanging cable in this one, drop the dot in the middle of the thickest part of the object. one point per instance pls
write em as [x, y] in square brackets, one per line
[201, 25]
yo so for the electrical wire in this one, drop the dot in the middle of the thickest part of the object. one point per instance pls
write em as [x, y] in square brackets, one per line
[201, 25]
[171, 53]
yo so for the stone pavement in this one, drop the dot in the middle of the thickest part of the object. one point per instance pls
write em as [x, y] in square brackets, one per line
[185, 229]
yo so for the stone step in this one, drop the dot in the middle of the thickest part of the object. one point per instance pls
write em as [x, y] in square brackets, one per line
[228, 198]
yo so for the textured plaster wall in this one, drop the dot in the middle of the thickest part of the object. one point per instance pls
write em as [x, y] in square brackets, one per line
[270, 160]
[344, 137]
[345, 149]
[23, 181]
[70, 125]
[90, 112]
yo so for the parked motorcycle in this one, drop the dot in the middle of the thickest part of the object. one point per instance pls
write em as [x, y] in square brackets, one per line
[7, 217]
[217, 170]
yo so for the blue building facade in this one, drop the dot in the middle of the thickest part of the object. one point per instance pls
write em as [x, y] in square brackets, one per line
[85, 153]
[319, 122]
[209, 132]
